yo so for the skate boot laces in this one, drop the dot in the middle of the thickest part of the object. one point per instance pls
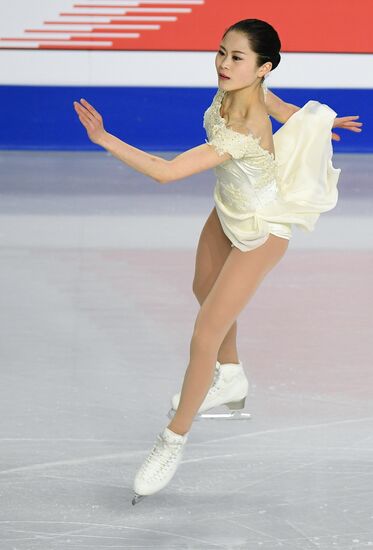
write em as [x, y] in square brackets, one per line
[217, 383]
[161, 456]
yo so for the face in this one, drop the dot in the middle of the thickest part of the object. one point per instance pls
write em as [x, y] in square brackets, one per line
[237, 62]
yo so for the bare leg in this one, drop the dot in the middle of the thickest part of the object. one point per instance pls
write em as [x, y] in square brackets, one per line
[213, 249]
[237, 282]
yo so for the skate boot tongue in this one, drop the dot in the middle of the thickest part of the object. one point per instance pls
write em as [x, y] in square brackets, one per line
[230, 370]
[172, 437]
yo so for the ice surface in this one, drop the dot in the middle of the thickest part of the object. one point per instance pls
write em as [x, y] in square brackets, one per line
[96, 313]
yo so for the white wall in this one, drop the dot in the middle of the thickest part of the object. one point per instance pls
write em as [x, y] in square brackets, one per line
[196, 69]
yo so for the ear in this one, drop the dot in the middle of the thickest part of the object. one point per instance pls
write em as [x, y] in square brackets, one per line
[265, 69]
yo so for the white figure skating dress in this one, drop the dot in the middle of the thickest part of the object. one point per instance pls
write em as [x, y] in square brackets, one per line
[257, 193]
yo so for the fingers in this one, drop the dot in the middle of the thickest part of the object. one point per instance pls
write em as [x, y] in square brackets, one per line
[84, 117]
[350, 126]
[351, 123]
[348, 117]
[348, 120]
[348, 123]
[86, 123]
[83, 111]
[90, 108]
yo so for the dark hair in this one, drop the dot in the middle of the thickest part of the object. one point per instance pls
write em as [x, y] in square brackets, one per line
[263, 40]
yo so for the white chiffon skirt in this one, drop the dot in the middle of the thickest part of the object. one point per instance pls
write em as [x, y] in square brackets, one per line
[306, 179]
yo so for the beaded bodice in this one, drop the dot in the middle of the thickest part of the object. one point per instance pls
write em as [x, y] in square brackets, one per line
[248, 179]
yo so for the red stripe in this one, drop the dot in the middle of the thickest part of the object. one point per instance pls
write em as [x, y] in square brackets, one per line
[111, 22]
[72, 23]
[149, 8]
[109, 6]
[88, 38]
[124, 14]
[155, 6]
[109, 31]
[143, 5]
[116, 31]
[73, 47]
[91, 14]
[35, 39]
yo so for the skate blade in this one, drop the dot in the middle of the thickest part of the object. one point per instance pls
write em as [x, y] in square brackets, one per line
[233, 415]
[137, 498]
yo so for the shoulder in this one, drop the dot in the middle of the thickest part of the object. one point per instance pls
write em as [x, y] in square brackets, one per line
[261, 128]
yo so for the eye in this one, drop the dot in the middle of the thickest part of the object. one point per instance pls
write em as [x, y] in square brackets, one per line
[220, 52]
[236, 58]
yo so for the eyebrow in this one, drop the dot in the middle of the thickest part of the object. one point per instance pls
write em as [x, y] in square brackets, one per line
[234, 51]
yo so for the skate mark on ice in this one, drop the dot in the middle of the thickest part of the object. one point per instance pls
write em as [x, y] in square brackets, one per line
[86, 481]
[42, 535]
[256, 531]
[127, 454]
[293, 469]
[124, 527]
[305, 537]
[211, 457]
[73, 461]
[278, 474]
[285, 430]
[67, 439]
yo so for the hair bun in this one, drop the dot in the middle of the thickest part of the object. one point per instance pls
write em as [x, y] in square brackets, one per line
[276, 60]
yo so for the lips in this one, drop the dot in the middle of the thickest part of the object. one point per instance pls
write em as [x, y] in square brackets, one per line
[223, 76]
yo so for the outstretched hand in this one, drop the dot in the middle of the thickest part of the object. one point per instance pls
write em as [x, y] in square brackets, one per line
[91, 120]
[347, 123]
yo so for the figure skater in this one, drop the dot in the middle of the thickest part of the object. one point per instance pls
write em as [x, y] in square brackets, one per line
[265, 183]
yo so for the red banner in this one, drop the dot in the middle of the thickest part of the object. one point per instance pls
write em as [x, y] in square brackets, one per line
[197, 25]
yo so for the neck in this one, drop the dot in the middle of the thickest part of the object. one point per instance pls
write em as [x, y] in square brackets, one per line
[240, 102]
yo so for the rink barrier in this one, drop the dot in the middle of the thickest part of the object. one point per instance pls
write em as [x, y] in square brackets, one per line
[151, 118]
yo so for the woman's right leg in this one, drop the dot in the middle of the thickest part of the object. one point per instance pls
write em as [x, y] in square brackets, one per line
[212, 251]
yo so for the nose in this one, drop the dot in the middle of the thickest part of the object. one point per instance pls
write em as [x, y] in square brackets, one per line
[224, 63]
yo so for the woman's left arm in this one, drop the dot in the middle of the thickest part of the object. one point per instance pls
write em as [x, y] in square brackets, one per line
[190, 162]
[282, 111]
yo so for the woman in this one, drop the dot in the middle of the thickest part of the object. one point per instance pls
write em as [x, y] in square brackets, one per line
[265, 184]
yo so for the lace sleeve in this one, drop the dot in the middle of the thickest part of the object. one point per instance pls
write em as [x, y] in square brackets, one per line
[229, 141]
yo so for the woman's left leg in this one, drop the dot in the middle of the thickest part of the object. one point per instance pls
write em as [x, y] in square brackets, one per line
[236, 283]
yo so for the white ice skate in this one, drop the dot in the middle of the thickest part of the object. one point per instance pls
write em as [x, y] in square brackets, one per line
[160, 466]
[229, 388]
